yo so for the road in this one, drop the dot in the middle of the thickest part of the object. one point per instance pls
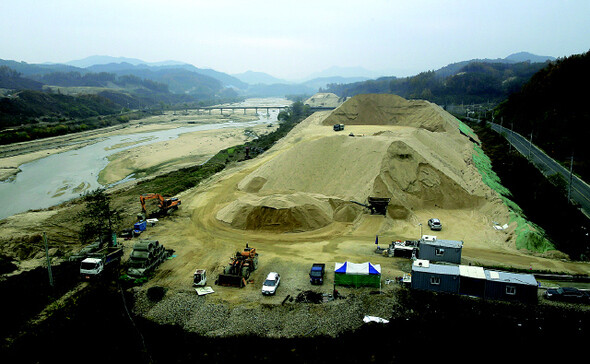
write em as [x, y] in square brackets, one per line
[580, 190]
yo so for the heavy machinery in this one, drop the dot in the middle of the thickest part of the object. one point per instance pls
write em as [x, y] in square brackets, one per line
[165, 205]
[377, 205]
[239, 268]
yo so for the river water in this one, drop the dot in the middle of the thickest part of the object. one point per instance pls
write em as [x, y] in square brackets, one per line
[60, 177]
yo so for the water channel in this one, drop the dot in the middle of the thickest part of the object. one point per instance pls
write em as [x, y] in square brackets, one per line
[60, 177]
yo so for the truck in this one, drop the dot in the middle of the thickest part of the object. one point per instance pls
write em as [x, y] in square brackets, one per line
[338, 127]
[316, 274]
[95, 263]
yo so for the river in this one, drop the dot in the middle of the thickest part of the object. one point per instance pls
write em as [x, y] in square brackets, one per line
[61, 177]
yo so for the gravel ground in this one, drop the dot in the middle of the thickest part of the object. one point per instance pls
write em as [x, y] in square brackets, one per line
[208, 316]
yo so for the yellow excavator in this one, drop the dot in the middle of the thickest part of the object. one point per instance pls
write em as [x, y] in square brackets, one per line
[165, 205]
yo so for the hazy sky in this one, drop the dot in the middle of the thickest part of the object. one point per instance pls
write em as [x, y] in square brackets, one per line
[292, 39]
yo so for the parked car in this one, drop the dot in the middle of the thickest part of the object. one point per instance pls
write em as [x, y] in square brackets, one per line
[435, 224]
[567, 294]
[272, 281]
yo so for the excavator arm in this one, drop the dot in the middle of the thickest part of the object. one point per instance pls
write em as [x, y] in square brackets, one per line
[164, 205]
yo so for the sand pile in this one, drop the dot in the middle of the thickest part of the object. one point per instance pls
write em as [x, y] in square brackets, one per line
[282, 212]
[323, 99]
[386, 109]
[424, 163]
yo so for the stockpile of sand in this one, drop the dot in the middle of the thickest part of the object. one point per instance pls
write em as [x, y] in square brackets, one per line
[386, 109]
[323, 99]
[416, 156]
[286, 212]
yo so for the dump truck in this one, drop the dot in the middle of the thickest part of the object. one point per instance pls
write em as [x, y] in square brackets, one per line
[145, 257]
[316, 274]
[338, 127]
[95, 264]
[239, 268]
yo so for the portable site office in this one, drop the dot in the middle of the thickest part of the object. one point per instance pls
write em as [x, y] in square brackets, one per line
[357, 275]
[439, 250]
[474, 281]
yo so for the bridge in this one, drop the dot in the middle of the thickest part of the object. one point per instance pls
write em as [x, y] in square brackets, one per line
[234, 108]
[255, 108]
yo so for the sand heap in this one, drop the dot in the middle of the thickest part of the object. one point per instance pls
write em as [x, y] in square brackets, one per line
[423, 163]
[386, 109]
[323, 99]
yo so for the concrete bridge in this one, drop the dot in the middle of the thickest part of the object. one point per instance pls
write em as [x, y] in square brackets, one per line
[234, 108]
[255, 108]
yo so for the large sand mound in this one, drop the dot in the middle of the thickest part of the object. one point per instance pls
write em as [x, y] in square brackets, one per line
[386, 109]
[425, 163]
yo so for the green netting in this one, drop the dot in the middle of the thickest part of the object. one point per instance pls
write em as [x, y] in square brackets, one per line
[528, 235]
[465, 129]
[357, 280]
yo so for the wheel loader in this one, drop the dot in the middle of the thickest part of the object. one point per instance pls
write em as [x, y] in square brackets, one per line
[237, 272]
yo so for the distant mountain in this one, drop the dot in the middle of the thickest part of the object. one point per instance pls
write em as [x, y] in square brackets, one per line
[454, 68]
[27, 69]
[148, 71]
[474, 81]
[255, 78]
[12, 80]
[526, 56]
[94, 60]
[323, 82]
[335, 71]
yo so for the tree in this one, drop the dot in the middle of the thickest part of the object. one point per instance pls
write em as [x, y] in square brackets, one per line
[99, 220]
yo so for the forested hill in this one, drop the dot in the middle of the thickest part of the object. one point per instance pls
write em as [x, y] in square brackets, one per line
[552, 108]
[475, 82]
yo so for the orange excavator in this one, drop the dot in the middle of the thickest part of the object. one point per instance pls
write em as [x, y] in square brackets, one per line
[165, 205]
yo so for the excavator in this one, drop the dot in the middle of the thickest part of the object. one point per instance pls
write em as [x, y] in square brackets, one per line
[239, 268]
[165, 205]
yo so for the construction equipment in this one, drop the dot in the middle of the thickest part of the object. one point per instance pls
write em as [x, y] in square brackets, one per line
[200, 277]
[97, 262]
[165, 205]
[239, 268]
[377, 205]
[145, 257]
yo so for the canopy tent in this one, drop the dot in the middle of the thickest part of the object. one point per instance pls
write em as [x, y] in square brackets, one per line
[357, 275]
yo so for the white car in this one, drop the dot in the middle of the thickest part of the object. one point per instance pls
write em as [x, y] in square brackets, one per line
[435, 224]
[269, 287]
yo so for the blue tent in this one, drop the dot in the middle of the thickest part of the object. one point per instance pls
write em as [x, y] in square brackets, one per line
[357, 275]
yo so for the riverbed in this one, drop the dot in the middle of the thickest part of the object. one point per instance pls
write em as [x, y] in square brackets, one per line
[169, 142]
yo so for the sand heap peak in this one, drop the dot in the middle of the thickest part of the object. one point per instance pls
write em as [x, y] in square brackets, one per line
[387, 109]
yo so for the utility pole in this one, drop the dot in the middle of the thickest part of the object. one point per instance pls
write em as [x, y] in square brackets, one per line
[48, 260]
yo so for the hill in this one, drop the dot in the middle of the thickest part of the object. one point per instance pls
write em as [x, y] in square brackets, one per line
[473, 82]
[254, 78]
[551, 108]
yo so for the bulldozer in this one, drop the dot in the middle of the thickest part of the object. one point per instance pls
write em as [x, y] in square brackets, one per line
[236, 273]
[164, 206]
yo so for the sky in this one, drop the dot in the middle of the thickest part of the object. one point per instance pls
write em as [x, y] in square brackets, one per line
[293, 39]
